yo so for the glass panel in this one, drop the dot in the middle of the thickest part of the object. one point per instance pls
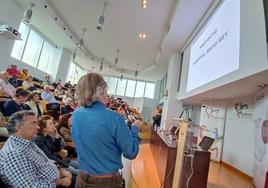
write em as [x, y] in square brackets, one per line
[46, 58]
[32, 50]
[79, 73]
[149, 91]
[106, 78]
[19, 44]
[140, 89]
[130, 88]
[71, 73]
[121, 86]
[112, 85]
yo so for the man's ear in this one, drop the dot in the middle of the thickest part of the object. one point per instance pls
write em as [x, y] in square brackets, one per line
[18, 127]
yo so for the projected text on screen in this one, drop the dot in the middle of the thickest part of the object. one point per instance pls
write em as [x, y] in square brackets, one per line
[215, 50]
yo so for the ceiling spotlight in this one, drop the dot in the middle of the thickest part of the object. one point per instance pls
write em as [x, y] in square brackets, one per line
[101, 66]
[28, 15]
[81, 41]
[136, 72]
[74, 54]
[142, 36]
[117, 57]
[102, 18]
[144, 3]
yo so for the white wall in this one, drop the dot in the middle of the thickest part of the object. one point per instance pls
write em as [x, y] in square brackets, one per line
[10, 14]
[238, 145]
[253, 54]
[172, 107]
[64, 65]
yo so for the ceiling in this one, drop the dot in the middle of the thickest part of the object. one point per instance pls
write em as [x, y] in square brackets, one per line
[168, 25]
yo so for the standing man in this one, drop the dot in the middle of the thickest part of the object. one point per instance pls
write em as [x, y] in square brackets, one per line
[22, 163]
[100, 136]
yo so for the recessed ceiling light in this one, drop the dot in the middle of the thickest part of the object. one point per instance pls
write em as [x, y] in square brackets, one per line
[144, 3]
[142, 36]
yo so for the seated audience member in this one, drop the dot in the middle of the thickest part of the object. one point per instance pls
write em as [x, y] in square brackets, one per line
[58, 91]
[47, 81]
[34, 104]
[22, 163]
[68, 84]
[66, 96]
[2, 120]
[49, 141]
[69, 107]
[28, 84]
[24, 74]
[58, 82]
[64, 128]
[53, 104]
[14, 73]
[6, 89]
[17, 103]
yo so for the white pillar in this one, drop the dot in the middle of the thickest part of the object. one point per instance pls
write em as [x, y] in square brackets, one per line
[172, 107]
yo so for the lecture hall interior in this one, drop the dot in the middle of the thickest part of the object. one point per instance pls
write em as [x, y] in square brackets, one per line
[193, 73]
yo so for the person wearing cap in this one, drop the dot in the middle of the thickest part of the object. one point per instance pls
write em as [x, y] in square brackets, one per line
[101, 136]
[17, 103]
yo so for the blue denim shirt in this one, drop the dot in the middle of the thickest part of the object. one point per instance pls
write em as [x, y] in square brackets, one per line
[101, 137]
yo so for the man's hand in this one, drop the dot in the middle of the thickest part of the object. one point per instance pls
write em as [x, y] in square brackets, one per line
[65, 182]
[54, 132]
[64, 173]
[137, 123]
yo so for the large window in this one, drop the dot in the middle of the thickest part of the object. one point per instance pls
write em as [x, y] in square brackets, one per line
[46, 59]
[35, 50]
[149, 91]
[75, 73]
[121, 87]
[112, 85]
[140, 89]
[32, 49]
[20, 44]
[129, 88]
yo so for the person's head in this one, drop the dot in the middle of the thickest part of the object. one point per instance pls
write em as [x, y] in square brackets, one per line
[70, 102]
[65, 121]
[23, 124]
[159, 109]
[47, 78]
[90, 88]
[25, 71]
[67, 94]
[30, 79]
[59, 86]
[35, 97]
[13, 66]
[46, 124]
[22, 95]
[4, 75]
[47, 88]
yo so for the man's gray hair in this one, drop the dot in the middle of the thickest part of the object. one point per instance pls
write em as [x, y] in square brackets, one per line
[17, 118]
